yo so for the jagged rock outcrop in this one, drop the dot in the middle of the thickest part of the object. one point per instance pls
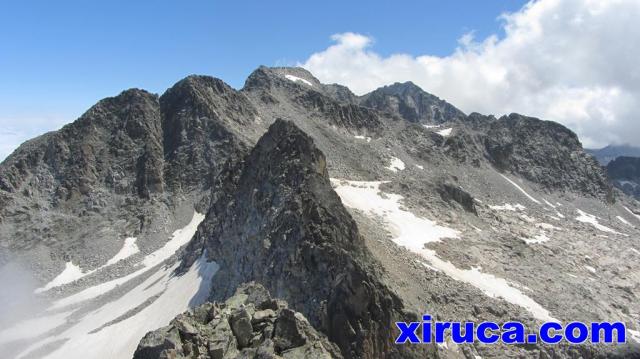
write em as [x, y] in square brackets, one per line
[624, 172]
[546, 153]
[284, 227]
[452, 192]
[250, 324]
[410, 102]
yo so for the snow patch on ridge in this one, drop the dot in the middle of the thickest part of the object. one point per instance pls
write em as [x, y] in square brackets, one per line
[298, 79]
[395, 165]
[540, 238]
[413, 233]
[445, 132]
[71, 273]
[585, 217]
[129, 248]
[633, 214]
[359, 137]
[520, 189]
[509, 207]
[624, 221]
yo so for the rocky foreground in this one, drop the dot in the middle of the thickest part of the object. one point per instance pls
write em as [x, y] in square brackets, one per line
[250, 324]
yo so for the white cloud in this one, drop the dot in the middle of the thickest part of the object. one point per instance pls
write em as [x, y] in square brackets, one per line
[571, 61]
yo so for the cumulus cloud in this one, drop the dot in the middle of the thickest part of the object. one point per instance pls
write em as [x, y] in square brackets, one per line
[570, 61]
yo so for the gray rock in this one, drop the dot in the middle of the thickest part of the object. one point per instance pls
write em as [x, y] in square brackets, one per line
[231, 335]
[240, 322]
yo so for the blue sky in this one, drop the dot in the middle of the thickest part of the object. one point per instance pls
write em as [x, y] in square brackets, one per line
[59, 57]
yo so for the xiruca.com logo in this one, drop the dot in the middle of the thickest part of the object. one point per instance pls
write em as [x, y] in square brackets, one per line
[429, 331]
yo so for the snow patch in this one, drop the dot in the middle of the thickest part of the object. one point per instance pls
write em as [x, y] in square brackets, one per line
[98, 334]
[547, 226]
[395, 165]
[180, 237]
[413, 233]
[633, 214]
[624, 221]
[430, 126]
[509, 207]
[420, 167]
[129, 248]
[446, 132]
[635, 335]
[71, 273]
[590, 269]
[540, 238]
[527, 218]
[32, 328]
[298, 79]
[549, 204]
[368, 139]
[585, 217]
[520, 189]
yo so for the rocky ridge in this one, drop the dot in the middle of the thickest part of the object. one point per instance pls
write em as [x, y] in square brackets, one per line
[284, 227]
[249, 324]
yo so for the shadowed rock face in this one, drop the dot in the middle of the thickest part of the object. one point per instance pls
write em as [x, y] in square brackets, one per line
[624, 172]
[283, 226]
[546, 153]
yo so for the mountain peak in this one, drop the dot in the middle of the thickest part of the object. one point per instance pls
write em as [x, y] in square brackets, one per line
[267, 77]
[409, 101]
[283, 226]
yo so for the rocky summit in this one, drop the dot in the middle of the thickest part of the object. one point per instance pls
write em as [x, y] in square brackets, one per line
[295, 219]
[248, 324]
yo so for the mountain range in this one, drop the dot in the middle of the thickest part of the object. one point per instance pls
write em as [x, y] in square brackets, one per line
[294, 219]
